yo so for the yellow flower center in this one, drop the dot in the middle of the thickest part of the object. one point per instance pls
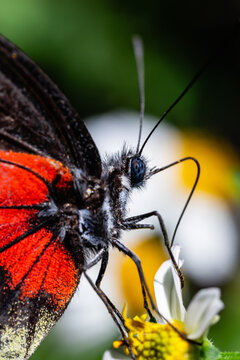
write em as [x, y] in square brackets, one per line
[152, 341]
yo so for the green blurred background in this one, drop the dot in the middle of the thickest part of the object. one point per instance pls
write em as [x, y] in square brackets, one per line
[85, 46]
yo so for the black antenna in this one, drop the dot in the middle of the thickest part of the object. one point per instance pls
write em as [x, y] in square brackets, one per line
[219, 48]
[138, 53]
[190, 84]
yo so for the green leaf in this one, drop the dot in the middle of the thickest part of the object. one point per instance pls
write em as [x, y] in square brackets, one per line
[209, 351]
[229, 356]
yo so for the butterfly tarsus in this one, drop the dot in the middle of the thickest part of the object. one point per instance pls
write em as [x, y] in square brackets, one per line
[167, 244]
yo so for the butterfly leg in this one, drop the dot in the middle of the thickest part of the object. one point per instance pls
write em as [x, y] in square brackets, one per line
[113, 312]
[102, 255]
[102, 268]
[131, 223]
[137, 261]
[95, 260]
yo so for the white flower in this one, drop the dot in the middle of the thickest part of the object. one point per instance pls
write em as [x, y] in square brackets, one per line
[193, 322]
[202, 310]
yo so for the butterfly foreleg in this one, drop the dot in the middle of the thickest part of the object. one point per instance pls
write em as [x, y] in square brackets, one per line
[132, 223]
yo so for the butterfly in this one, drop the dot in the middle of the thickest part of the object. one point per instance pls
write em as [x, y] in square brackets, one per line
[61, 206]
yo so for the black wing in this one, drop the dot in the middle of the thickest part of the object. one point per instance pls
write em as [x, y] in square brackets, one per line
[36, 117]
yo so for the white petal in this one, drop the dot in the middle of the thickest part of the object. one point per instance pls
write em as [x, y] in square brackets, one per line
[114, 355]
[201, 312]
[167, 288]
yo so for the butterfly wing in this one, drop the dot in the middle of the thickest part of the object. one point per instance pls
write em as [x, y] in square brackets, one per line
[41, 140]
[36, 117]
[38, 271]
[39, 132]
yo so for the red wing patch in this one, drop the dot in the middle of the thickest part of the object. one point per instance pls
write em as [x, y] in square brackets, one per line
[21, 187]
[39, 263]
[38, 275]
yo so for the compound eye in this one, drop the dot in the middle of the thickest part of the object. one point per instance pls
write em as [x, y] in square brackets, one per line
[138, 170]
